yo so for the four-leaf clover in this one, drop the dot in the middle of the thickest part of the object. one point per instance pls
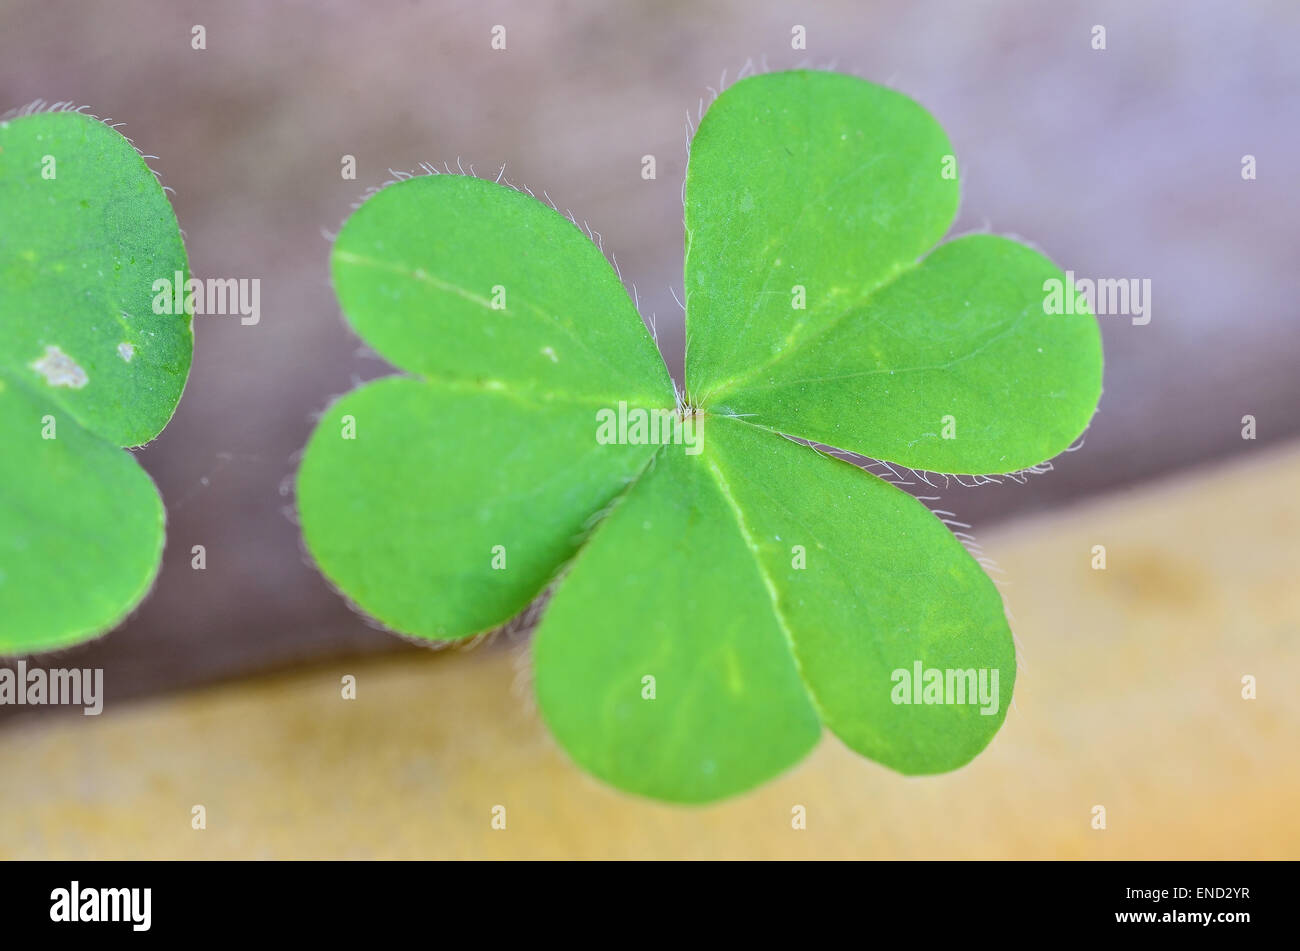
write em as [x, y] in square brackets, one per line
[86, 368]
[715, 609]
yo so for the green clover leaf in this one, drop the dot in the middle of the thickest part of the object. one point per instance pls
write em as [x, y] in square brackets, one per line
[724, 594]
[86, 368]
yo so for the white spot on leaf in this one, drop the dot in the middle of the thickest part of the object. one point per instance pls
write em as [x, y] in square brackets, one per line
[547, 351]
[126, 351]
[59, 369]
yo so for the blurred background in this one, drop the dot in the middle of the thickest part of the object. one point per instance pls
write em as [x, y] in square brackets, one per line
[1123, 162]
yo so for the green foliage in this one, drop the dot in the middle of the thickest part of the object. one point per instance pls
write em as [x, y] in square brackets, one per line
[721, 597]
[86, 368]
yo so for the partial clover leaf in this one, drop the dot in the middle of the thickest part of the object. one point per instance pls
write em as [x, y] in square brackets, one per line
[86, 368]
[723, 592]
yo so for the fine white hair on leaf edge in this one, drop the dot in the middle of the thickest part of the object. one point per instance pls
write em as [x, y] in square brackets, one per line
[500, 178]
[42, 107]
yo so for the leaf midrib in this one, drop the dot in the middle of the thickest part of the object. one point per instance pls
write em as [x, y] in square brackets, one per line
[537, 399]
[733, 384]
[831, 189]
[742, 526]
[974, 352]
[423, 276]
